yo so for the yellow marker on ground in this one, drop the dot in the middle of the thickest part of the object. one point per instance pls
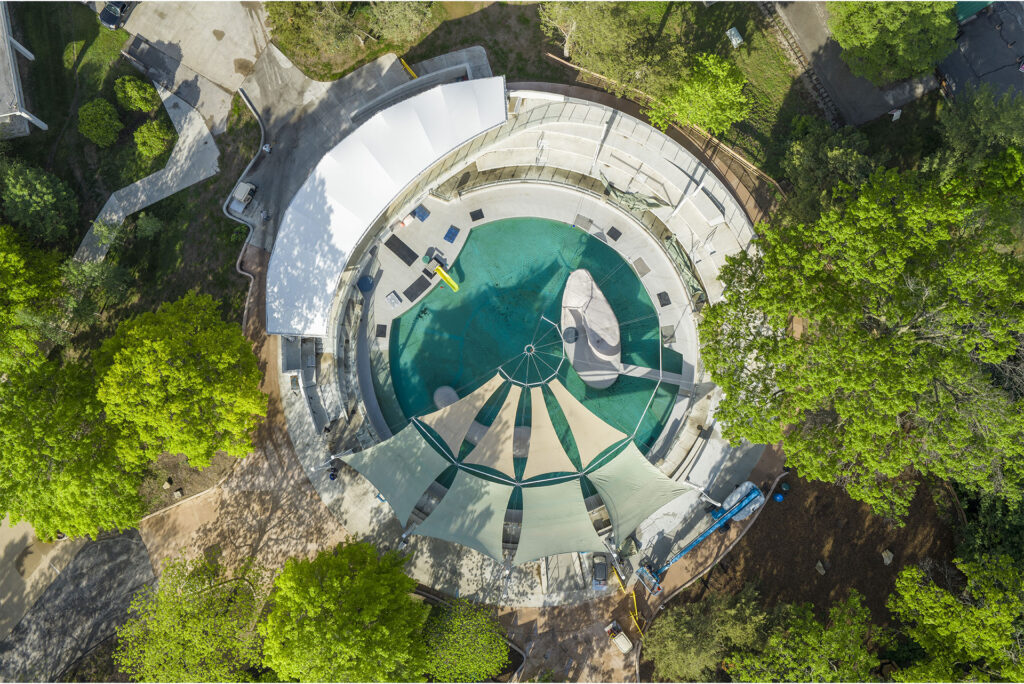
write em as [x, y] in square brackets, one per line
[411, 72]
[446, 278]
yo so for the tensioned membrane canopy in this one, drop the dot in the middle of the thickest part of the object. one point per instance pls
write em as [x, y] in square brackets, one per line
[401, 468]
[495, 449]
[546, 453]
[591, 434]
[633, 489]
[555, 520]
[472, 513]
[354, 182]
[453, 421]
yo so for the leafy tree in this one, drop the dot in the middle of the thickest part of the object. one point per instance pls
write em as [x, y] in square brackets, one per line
[153, 138]
[910, 304]
[195, 625]
[891, 41]
[711, 97]
[61, 472]
[90, 286]
[148, 226]
[181, 380]
[134, 94]
[817, 160]
[994, 527]
[346, 615]
[37, 201]
[973, 634]
[400, 21]
[978, 125]
[30, 288]
[622, 41]
[465, 643]
[689, 642]
[805, 650]
[97, 121]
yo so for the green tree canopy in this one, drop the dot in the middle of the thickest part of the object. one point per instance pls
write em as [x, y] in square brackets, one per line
[346, 615]
[973, 634]
[977, 125]
[98, 121]
[710, 97]
[37, 201]
[622, 41]
[181, 380]
[90, 286]
[890, 41]
[27, 299]
[689, 642]
[817, 160]
[61, 472]
[911, 307]
[153, 138]
[195, 625]
[134, 94]
[465, 643]
[805, 650]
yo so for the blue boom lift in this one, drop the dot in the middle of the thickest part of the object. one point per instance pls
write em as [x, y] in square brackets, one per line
[749, 498]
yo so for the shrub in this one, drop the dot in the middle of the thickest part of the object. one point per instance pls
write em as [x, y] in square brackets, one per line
[97, 121]
[38, 201]
[710, 97]
[153, 138]
[465, 643]
[147, 225]
[134, 94]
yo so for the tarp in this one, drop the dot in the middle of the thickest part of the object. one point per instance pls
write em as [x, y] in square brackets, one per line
[494, 450]
[546, 454]
[453, 421]
[633, 489]
[354, 182]
[591, 434]
[472, 513]
[401, 468]
[555, 520]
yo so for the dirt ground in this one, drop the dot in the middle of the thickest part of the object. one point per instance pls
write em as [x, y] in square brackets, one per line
[819, 521]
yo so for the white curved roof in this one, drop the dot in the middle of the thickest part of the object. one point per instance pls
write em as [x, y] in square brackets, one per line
[354, 182]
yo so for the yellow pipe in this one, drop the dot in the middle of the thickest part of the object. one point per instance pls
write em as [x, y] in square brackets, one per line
[621, 585]
[411, 72]
[446, 278]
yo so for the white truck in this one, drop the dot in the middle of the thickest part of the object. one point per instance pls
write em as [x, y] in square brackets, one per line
[618, 637]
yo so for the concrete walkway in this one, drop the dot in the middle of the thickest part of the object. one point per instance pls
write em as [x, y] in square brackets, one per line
[27, 567]
[81, 608]
[193, 159]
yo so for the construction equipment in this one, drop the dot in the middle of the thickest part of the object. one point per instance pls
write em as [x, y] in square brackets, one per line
[745, 500]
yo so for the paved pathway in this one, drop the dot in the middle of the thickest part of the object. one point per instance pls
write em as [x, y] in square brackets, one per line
[27, 566]
[81, 608]
[193, 159]
[989, 50]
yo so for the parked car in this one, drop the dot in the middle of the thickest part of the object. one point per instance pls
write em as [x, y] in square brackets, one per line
[618, 637]
[114, 14]
[600, 564]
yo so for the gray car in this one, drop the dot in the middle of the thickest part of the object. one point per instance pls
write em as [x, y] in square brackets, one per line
[600, 564]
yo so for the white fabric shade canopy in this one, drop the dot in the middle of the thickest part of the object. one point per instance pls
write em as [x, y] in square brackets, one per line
[591, 434]
[472, 513]
[633, 489]
[401, 468]
[546, 453]
[495, 449]
[453, 421]
[354, 182]
[555, 520]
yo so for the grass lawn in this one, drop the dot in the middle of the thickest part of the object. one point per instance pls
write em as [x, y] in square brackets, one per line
[78, 60]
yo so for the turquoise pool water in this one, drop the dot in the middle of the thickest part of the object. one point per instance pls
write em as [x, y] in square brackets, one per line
[511, 273]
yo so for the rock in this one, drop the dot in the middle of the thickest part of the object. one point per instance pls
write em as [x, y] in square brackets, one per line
[887, 556]
[820, 567]
[167, 483]
[178, 493]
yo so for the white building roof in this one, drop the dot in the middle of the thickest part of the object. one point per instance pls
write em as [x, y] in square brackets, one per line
[354, 182]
